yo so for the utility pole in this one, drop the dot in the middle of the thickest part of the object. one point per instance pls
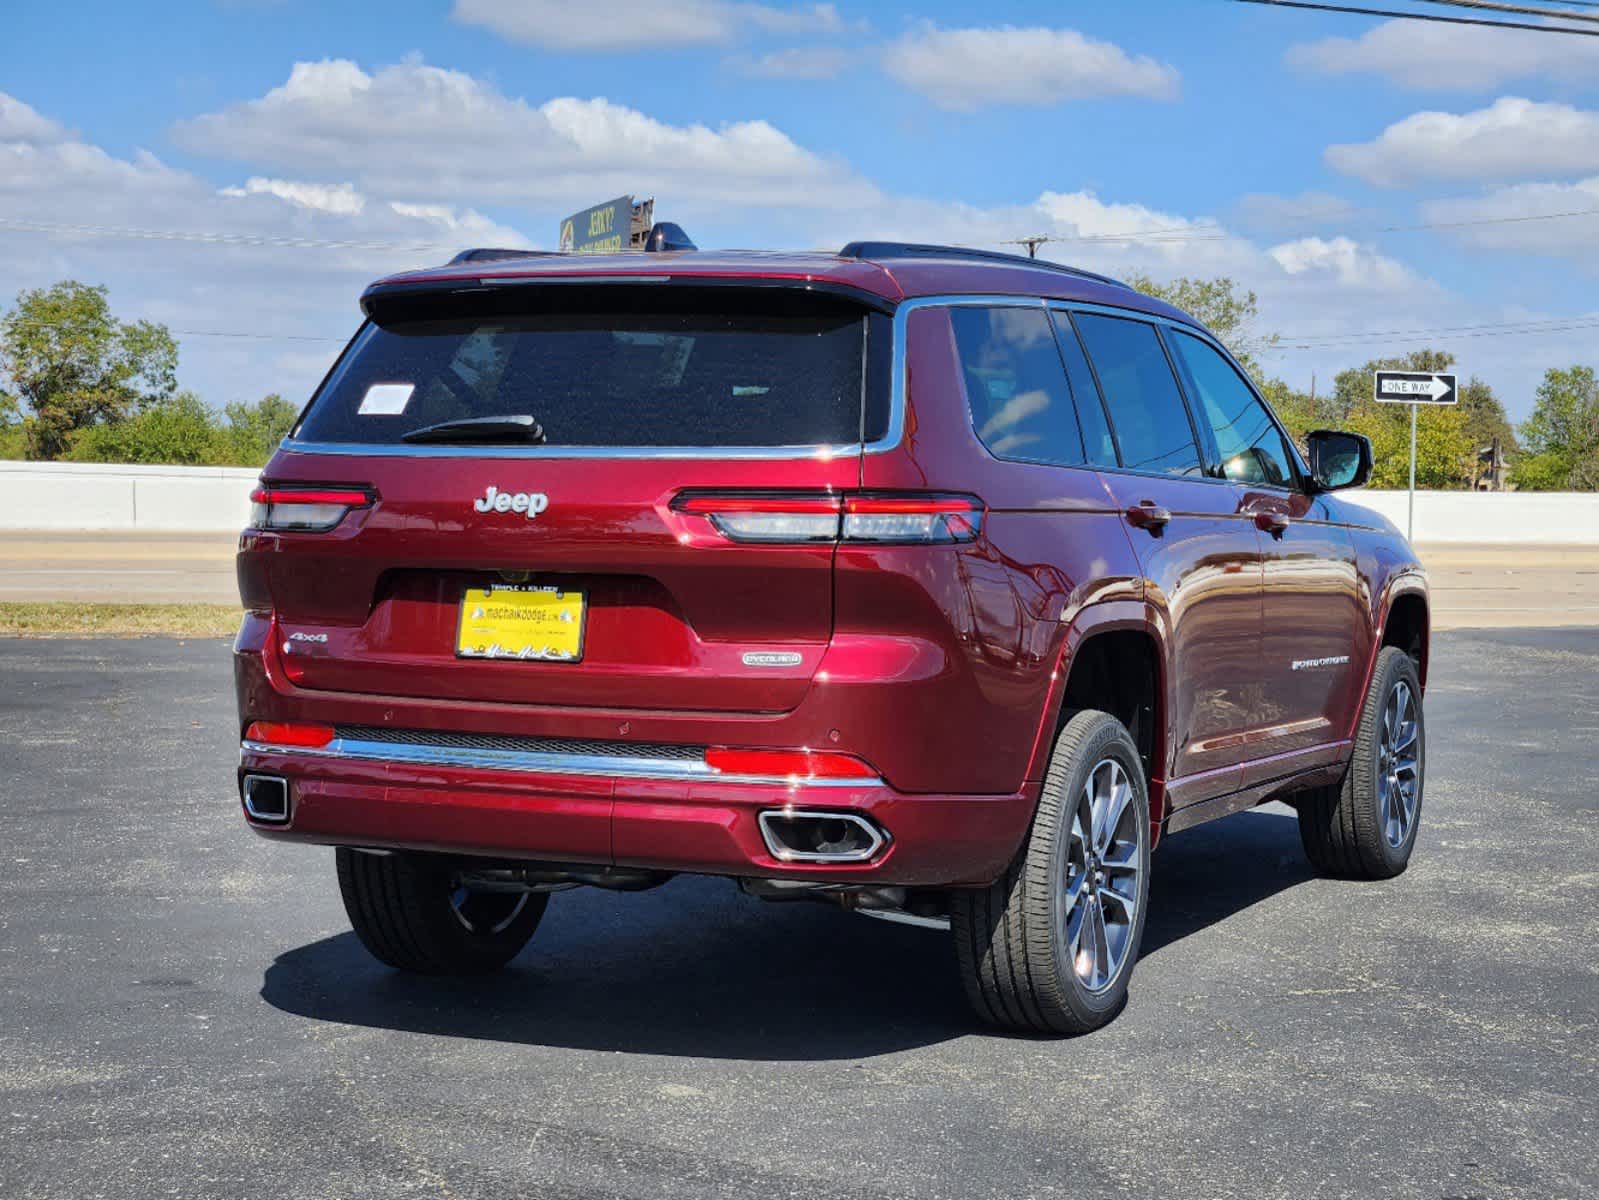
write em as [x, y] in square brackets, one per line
[1032, 244]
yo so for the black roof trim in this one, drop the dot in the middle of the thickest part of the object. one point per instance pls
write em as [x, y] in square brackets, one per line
[880, 250]
[495, 254]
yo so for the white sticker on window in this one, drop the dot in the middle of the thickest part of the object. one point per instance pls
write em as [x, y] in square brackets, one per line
[386, 399]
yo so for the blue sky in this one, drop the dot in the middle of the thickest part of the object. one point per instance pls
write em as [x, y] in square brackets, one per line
[1274, 143]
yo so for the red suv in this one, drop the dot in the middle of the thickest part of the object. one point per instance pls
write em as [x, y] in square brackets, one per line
[933, 583]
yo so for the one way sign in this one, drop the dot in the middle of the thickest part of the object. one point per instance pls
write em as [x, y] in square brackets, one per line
[1415, 387]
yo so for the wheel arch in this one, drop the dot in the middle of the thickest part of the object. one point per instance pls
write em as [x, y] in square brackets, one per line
[1407, 624]
[1113, 658]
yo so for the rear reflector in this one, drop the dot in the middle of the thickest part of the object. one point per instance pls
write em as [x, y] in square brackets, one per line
[903, 517]
[304, 509]
[289, 733]
[787, 764]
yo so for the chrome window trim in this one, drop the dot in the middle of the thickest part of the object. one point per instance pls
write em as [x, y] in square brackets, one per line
[544, 762]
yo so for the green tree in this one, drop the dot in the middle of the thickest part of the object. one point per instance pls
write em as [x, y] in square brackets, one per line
[180, 429]
[73, 365]
[11, 440]
[1222, 307]
[254, 430]
[1562, 434]
[1485, 416]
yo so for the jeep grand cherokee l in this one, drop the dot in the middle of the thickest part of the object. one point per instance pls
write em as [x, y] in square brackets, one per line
[934, 583]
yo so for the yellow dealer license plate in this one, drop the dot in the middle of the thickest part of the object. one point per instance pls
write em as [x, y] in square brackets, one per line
[521, 621]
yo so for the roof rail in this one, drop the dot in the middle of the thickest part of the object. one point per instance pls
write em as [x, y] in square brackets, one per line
[494, 254]
[875, 250]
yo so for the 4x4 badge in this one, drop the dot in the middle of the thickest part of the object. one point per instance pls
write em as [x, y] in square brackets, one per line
[529, 503]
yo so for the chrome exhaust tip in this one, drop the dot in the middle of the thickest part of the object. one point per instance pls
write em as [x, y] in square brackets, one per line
[809, 836]
[266, 798]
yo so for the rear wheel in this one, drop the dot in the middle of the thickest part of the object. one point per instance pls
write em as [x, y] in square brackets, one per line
[1050, 947]
[413, 912]
[1365, 827]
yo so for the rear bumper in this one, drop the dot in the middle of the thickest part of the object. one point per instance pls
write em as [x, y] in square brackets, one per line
[703, 826]
[613, 812]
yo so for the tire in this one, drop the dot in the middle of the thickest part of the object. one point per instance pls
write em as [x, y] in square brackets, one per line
[1365, 827]
[1020, 943]
[410, 914]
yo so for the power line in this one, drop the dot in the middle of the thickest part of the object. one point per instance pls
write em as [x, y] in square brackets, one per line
[1214, 232]
[1350, 341]
[1524, 10]
[1416, 16]
[211, 238]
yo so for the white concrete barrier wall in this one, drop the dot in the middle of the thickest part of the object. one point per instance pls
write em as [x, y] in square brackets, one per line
[1493, 518]
[91, 496]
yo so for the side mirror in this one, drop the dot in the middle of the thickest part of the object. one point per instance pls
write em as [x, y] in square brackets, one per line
[1338, 460]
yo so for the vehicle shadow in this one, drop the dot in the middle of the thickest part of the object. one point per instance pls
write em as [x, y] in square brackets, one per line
[696, 969]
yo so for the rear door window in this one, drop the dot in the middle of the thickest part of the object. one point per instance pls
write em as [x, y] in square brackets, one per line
[628, 377]
[1251, 446]
[1015, 384]
[1098, 446]
[1148, 417]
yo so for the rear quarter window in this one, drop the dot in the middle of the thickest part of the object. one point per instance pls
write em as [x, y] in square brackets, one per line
[1020, 401]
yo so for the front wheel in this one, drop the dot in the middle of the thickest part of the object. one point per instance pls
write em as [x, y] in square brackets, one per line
[413, 912]
[1050, 947]
[1365, 827]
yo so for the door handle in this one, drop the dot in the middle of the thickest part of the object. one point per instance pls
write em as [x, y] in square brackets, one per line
[1272, 523]
[1148, 515]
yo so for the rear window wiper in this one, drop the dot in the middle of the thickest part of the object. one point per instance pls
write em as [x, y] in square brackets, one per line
[517, 427]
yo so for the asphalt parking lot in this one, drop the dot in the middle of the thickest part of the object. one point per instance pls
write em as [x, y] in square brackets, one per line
[183, 1012]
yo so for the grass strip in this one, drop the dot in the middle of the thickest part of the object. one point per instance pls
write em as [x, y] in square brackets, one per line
[57, 619]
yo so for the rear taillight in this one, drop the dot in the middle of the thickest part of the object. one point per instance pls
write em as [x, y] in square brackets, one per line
[304, 509]
[884, 518]
[900, 517]
[771, 517]
[290, 733]
[787, 764]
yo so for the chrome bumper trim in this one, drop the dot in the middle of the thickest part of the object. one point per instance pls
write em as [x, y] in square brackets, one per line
[543, 762]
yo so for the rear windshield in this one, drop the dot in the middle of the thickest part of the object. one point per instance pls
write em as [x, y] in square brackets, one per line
[610, 377]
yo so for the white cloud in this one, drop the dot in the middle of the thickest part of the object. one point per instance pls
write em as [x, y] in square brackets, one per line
[1344, 262]
[21, 123]
[1512, 138]
[426, 133]
[1520, 223]
[794, 62]
[325, 197]
[966, 69]
[639, 24]
[1432, 57]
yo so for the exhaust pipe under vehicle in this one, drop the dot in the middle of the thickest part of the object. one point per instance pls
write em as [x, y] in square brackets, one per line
[266, 798]
[799, 835]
